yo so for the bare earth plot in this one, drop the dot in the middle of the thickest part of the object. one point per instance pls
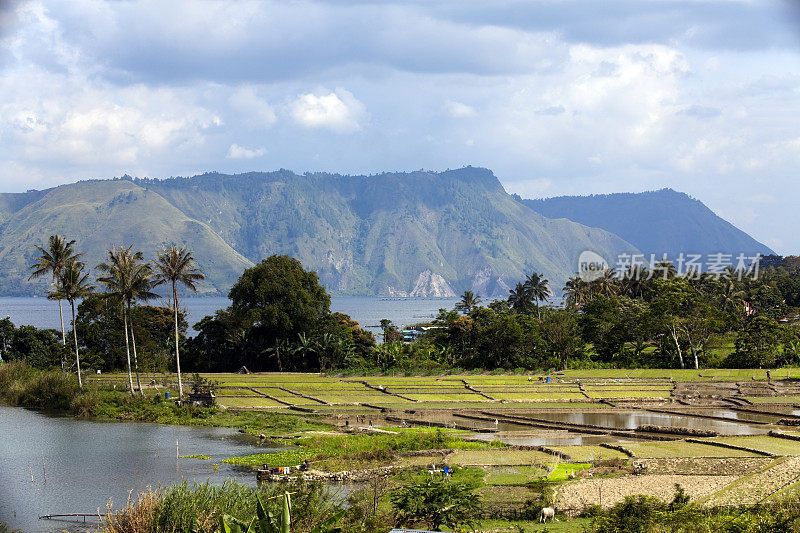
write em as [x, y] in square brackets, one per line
[608, 491]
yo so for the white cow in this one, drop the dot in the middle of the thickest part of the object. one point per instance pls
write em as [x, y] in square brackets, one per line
[548, 512]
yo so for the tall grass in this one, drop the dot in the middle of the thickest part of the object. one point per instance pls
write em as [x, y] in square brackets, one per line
[181, 507]
[27, 387]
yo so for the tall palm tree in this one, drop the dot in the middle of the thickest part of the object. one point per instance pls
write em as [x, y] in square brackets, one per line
[538, 289]
[606, 285]
[176, 265]
[519, 298]
[72, 284]
[51, 261]
[577, 292]
[129, 279]
[469, 301]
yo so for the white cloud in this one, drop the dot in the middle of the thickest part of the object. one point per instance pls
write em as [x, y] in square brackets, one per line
[62, 122]
[240, 152]
[459, 110]
[254, 111]
[337, 111]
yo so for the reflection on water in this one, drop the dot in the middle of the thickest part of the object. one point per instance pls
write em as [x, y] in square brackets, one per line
[86, 463]
[546, 439]
[633, 419]
[743, 416]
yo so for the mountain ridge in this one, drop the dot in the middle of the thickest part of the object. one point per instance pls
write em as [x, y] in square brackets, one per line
[656, 222]
[416, 233]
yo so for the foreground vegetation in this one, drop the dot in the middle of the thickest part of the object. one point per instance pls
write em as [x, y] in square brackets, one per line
[425, 502]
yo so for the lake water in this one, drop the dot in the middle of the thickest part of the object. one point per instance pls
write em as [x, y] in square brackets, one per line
[87, 463]
[367, 311]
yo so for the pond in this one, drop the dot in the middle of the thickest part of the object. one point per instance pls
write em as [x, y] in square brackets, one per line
[57, 465]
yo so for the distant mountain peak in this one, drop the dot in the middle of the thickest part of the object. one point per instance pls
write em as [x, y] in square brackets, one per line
[656, 222]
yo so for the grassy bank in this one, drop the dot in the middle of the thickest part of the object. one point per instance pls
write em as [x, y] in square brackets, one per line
[55, 391]
[345, 452]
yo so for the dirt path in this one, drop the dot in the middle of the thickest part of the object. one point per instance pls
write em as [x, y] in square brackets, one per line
[612, 490]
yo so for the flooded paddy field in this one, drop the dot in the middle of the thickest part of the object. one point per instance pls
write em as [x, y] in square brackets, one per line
[711, 431]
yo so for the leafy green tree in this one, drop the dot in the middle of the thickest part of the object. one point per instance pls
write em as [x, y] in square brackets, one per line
[52, 261]
[7, 331]
[281, 299]
[674, 302]
[602, 326]
[436, 503]
[757, 344]
[100, 328]
[272, 304]
[39, 348]
[71, 285]
[561, 334]
[176, 265]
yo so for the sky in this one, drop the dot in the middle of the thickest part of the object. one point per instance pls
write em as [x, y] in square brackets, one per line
[555, 96]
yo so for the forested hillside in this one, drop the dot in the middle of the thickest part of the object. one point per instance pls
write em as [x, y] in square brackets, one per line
[419, 233]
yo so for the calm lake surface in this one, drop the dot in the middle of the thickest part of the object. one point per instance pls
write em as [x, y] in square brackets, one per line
[367, 311]
[87, 463]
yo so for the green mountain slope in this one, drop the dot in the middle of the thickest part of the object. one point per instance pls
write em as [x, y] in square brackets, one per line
[418, 234]
[102, 214]
[656, 222]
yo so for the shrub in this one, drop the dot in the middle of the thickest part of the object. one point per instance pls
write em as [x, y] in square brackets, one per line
[636, 514]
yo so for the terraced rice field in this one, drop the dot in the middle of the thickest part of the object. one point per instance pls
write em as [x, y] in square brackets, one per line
[680, 448]
[765, 443]
[589, 453]
[498, 457]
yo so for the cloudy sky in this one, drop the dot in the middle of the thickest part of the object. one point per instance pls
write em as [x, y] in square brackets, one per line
[555, 96]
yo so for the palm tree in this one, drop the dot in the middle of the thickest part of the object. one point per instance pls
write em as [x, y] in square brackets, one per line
[72, 284]
[129, 279]
[176, 265]
[538, 290]
[469, 301]
[519, 298]
[59, 252]
[635, 281]
[667, 269]
[606, 285]
[305, 347]
[577, 291]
